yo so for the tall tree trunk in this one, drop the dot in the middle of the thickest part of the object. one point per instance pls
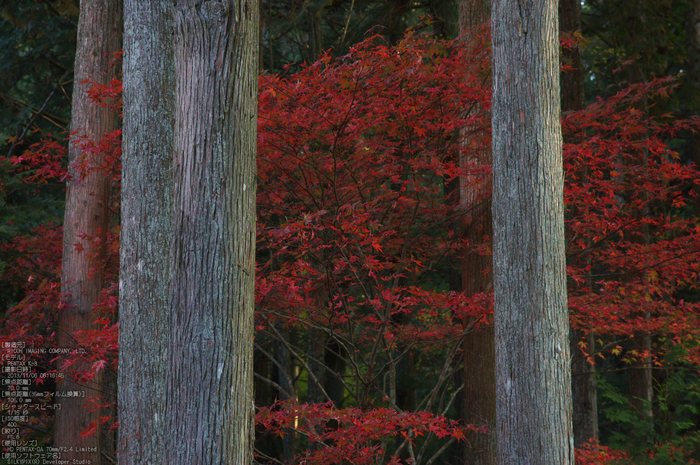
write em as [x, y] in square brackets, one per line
[209, 368]
[572, 85]
[87, 212]
[149, 107]
[479, 398]
[533, 375]
[640, 387]
[334, 359]
[473, 13]
[285, 367]
[584, 388]
[317, 339]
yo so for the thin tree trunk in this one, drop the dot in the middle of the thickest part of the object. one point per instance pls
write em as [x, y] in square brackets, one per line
[640, 379]
[209, 369]
[87, 212]
[583, 382]
[533, 374]
[316, 33]
[316, 350]
[149, 107]
[479, 397]
[286, 376]
[572, 85]
[334, 359]
[584, 391]
[317, 340]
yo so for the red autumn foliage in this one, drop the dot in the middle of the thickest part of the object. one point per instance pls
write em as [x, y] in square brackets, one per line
[593, 453]
[356, 435]
[632, 247]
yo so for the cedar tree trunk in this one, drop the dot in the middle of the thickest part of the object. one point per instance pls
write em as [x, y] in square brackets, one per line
[87, 212]
[149, 110]
[533, 374]
[479, 397]
[209, 367]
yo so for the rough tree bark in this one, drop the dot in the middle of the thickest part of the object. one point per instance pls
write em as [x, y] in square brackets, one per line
[479, 398]
[149, 107]
[87, 212]
[533, 377]
[209, 368]
[583, 383]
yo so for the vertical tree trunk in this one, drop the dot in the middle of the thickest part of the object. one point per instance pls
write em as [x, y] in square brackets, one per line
[584, 390]
[479, 398]
[209, 369]
[583, 383]
[317, 341]
[640, 386]
[87, 212]
[533, 377]
[572, 86]
[286, 376]
[334, 360]
[316, 350]
[316, 33]
[149, 107]
[473, 13]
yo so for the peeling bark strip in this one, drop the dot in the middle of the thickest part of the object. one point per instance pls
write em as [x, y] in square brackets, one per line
[87, 212]
[209, 399]
[145, 239]
[533, 378]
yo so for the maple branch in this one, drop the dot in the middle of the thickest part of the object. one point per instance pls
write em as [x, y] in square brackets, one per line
[279, 367]
[452, 398]
[31, 121]
[340, 340]
[430, 435]
[440, 451]
[273, 384]
[430, 398]
[347, 23]
[266, 457]
[410, 447]
[370, 365]
[392, 364]
[592, 354]
[303, 363]
[55, 120]
[641, 367]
